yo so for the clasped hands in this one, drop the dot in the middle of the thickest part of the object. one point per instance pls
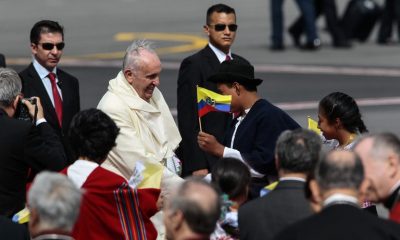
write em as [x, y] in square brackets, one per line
[208, 143]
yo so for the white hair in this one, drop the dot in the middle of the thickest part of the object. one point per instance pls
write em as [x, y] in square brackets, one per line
[56, 200]
[132, 54]
[10, 86]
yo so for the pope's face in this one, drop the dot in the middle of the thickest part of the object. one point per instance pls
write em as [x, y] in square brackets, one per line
[145, 79]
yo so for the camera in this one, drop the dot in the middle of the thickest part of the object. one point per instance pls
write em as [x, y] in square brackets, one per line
[22, 112]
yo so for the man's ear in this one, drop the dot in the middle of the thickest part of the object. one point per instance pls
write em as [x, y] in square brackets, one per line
[237, 88]
[364, 190]
[393, 161]
[315, 192]
[277, 165]
[129, 75]
[34, 48]
[16, 101]
[206, 30]
[176, 219]
[33, 221]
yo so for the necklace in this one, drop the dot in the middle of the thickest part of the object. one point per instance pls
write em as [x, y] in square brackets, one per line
[350, 140]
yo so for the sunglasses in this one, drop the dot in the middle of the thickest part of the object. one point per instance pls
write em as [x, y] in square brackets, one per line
[50, 46]
[221, 27]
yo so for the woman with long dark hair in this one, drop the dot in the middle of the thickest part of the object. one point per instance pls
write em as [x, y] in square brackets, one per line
[339, 118]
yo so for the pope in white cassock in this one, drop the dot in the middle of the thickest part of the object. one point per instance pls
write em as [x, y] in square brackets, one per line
[148, 131]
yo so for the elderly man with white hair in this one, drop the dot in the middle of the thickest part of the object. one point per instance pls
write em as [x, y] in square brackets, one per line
[148, 132]
[54, 203]
[147, 129]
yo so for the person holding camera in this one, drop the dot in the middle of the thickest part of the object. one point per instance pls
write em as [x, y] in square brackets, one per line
[24, 146]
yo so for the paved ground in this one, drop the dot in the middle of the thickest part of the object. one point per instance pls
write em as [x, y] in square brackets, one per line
[98, 31]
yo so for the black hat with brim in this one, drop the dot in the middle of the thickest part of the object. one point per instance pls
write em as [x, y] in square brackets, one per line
[235, 71]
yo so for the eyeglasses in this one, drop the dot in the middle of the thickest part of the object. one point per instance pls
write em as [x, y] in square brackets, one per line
[221, 27]
[50, 46]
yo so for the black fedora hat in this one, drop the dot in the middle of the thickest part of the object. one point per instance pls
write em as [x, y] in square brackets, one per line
[235, 71]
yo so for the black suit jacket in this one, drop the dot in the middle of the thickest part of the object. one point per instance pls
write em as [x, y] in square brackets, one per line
[24, 146]
[264, 217]
[2, 60]
[342, 222]
[393, 205]
[32, 86]
[256, 135]
[193, 71]
[12, 231]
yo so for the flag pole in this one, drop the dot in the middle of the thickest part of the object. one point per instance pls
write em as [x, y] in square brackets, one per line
[201, 129]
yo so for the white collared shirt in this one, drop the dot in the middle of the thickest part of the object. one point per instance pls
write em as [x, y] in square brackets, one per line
[40, 120]
[79, 171]
[292, 179]
[338, 197]
[220, 54]
[230, 152]
[43, 74]
[394, 187]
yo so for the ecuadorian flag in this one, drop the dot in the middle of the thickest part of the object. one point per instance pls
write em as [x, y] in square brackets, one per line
[209, 101]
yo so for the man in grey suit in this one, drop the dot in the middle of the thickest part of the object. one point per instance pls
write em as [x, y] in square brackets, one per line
[296, 153]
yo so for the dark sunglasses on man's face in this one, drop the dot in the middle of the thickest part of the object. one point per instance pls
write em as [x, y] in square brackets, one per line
[221, 27]
[50, 46]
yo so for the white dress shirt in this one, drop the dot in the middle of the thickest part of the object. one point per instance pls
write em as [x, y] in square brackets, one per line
[230, 152]
[340, 198]
[43, 74]
[220, 54]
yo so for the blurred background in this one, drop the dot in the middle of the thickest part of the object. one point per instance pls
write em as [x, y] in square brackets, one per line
[97, 32]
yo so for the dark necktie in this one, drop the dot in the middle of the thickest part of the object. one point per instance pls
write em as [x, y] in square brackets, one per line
[227, 58]
[56, 97]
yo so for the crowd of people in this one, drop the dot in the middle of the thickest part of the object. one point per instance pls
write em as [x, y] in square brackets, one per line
[126, 170]
[356, 21]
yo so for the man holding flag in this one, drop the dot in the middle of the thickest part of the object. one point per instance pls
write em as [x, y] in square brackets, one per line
[252, 135]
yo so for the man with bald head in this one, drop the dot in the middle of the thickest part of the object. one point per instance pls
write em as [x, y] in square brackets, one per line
[192, 212]
[380, 154]
[337, 187]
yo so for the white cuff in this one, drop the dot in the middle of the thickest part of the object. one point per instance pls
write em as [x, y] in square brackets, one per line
[232, 153]
[39, 121]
